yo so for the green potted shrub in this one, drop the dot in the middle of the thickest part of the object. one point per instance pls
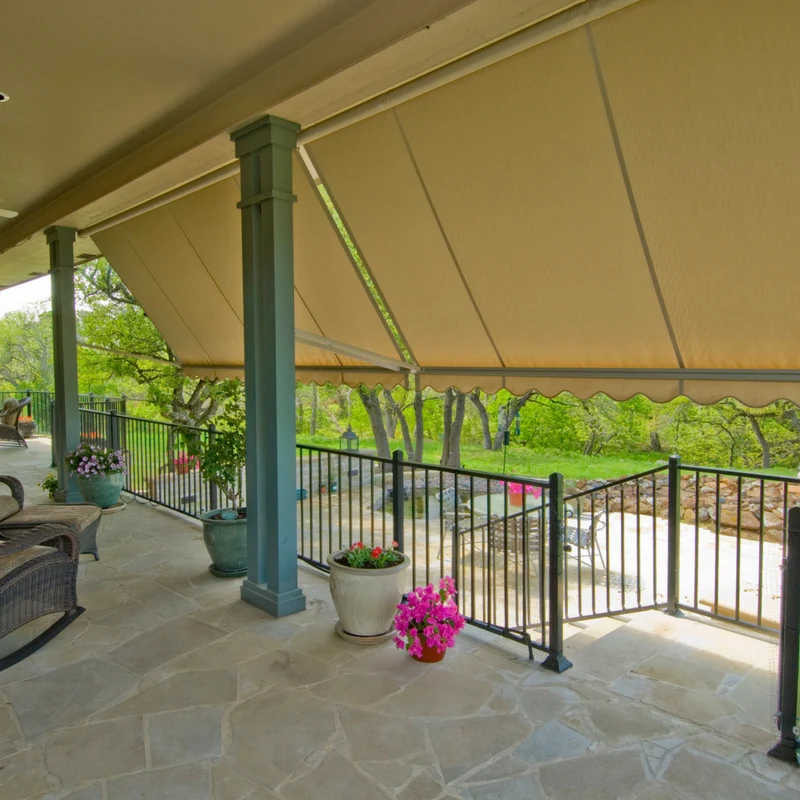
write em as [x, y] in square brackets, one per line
[221, 458]
[100, 473]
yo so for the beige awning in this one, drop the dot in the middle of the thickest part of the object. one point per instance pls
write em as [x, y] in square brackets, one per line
[183, 263]
[613, 210]
[623, 198]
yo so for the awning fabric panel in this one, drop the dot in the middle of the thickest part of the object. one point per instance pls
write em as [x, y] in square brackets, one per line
[183, 263]
[706, 98]
[623, 196]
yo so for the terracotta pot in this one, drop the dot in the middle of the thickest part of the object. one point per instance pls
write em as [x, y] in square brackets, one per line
[183, 469]
[515, 499]
[430, 655]
[366, 599]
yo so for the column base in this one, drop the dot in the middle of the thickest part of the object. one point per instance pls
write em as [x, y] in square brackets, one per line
[278, 605]
[557, 663]
[70, 498]
[785, 750]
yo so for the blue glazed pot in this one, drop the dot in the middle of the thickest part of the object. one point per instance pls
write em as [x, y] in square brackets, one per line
[226, 542]
[102, 490]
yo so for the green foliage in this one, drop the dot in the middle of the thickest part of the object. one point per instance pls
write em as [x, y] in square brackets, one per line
[26, 349]
[50, 484]
[361, 556]
[222, 456]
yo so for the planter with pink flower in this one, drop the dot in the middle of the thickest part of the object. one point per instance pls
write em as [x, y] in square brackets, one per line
[516, 491]
[367, 583]
[185, 463]
[427, 623]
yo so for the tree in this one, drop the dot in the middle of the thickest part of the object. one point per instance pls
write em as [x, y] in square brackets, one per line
[111, 318]
[26, 349]
[454, 406]
[372, 404]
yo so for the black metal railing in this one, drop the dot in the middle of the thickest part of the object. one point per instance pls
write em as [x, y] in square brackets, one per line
[680, 537]
[41, 405]
[453, 522]
[524, 554]
[616, 553]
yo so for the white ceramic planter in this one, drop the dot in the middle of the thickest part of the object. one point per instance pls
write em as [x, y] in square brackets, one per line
[366, 599]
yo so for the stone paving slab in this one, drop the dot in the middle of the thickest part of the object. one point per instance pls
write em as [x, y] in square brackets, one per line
[171, 688]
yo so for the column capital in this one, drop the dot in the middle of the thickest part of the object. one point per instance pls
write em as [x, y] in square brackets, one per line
[60, 233]
[265, 131]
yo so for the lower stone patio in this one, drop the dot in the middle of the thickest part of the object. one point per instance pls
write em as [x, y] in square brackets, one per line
[169, 687]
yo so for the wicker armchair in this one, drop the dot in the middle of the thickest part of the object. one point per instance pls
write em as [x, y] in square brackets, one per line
[38, 576]
[82, 519]
[9, 421]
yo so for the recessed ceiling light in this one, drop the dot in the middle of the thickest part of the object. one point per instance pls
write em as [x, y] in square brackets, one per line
[4, 97]
[4, 212]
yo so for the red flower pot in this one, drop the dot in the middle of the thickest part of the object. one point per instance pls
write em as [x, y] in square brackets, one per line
[430, 655]
[515, 499]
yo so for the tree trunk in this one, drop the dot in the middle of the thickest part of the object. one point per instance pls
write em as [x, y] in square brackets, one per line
[766, 457]
[391, 414]
[455, 431]
[447, 413]
[506, 417]
[453, 422]
[655, 442]
[314, 405]
[419, 427]
[372, 405]
[397, 416]
[475, 399]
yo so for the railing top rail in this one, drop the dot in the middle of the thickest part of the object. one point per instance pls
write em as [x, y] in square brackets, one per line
[733, 473]
[490, 476]
[348, 453]
[618, 482]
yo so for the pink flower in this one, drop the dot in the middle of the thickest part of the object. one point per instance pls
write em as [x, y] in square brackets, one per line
[429, 616]
[395, 545]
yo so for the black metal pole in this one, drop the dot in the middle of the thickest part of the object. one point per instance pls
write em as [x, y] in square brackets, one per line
[788, 662]
[52, 433]
[398, 499]
[556, 660]
[213, 491]
[673, 534]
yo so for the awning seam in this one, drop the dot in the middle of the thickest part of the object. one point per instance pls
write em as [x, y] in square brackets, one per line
[631, 195]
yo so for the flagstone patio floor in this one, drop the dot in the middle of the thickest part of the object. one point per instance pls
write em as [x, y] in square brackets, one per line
[171, 688]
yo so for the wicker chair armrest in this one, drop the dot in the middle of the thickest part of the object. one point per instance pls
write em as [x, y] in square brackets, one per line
[17, 490]
[58, 536]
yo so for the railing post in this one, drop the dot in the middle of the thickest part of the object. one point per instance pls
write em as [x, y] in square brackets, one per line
[556, 660]
[53, 433]
[673, 534]
[398, 499]
[789, 657]
[113, 430]
[213, 491]
[123, 404]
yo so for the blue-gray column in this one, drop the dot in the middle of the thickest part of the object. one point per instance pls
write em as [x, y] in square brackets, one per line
[66, 432]
[264, 149]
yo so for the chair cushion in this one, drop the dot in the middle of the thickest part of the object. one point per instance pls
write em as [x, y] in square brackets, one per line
[8, 506]
[75, 517]
[9, 563]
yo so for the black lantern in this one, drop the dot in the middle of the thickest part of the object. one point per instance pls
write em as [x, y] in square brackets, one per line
[348, 440]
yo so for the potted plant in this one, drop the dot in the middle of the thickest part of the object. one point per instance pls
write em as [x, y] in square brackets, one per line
[221, 459]
[367, 583]
[184, 463]
[49, 485]
[100, 473]
[26, 426]
[428, 622]
[516, 491]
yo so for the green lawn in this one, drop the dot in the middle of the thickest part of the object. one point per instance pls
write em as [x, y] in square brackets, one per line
[524, 462]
